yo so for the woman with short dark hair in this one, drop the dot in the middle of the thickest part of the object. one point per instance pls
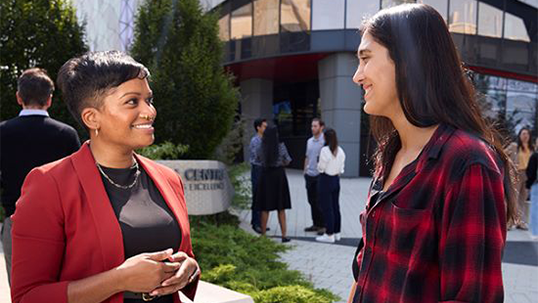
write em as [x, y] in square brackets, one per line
[104, 224]
[434, 227]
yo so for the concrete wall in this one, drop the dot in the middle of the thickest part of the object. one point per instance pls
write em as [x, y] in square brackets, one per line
[341, 105]
[256, 102]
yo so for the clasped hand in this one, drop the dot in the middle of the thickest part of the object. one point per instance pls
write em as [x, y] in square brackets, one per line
[160, 273]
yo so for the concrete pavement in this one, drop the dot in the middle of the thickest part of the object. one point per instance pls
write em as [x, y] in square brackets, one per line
[329, 265]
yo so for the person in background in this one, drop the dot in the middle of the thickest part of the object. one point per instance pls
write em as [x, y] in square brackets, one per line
[532, 184]
[330, 166]
[29, 140]
[104, 224]
[311, 173]
[434, 225]
[255, 168]
[272, 192]
[520, 154]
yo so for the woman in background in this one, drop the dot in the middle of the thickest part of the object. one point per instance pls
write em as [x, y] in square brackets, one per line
[330, 166]
[520, 154]
[273, 191]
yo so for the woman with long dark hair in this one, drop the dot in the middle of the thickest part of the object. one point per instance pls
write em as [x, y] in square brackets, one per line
[273, 191]
[434, 226]
[520, 152]
[330, 167]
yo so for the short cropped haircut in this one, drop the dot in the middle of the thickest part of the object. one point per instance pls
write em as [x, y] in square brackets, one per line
[35, 87]
[321, 123]
[258, 122]
[86, 80]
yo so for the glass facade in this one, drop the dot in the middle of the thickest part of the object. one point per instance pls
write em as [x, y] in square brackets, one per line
[265, 17]
[462, 17]
[358, 10]
[514, 28]
[328, 14]
[514, 101]
[490, 20]
[440, 6]
[224, 28]
[241, 22]
[295, 15]
[390, 3]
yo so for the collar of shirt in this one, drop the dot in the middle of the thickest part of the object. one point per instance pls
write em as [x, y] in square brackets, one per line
[33, 112]
[431, 150]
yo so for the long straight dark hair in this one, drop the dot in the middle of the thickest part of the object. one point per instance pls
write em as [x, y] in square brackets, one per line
[520, 144]
[331, 140]
[431, 83]
[270, 143]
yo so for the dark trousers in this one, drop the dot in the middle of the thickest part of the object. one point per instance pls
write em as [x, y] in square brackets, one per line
[255, 172]
[329, 193]
[312, 193]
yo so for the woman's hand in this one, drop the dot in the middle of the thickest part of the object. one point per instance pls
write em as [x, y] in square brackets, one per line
[145, 272]
[187, 273]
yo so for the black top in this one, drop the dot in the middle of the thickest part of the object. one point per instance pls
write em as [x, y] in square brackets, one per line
[27, 142]
[147, 223]
[532, 168]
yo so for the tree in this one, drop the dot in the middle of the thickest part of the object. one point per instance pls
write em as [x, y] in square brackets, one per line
[36, 34]
[194, 97]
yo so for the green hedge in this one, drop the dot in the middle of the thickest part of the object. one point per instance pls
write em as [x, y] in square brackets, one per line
[237, 260]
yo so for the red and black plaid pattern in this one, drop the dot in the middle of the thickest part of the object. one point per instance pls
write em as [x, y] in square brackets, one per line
[438, 233]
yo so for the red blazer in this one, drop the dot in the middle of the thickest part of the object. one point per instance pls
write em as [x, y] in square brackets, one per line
[64, 227]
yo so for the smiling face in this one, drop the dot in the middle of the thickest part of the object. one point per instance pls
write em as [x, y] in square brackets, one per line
[376, 74]
[524, 136]
[127, 115]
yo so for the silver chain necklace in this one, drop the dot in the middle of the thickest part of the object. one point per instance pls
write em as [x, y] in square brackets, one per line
[137, 173]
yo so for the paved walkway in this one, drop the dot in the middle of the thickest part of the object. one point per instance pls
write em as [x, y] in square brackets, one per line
[329, 265]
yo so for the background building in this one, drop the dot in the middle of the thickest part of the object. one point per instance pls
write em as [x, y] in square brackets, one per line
[294, 59]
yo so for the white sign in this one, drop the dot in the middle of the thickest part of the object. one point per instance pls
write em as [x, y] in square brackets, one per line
[208, 189]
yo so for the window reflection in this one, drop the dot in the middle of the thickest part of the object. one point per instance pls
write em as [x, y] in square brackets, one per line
[490, 20]
[514, 28]
[462, 16]
[295, 15]
[241, 23]
[265, 17]
[358, 10]
[440, 6]
[390, 3]
[328, 14]
[224, 28]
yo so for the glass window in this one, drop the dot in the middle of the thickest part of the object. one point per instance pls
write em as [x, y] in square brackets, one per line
[295, 15]
[224, 28]
[490, 20]
[440, 6]
[521, 102]
[328, 14]
[265, 17]
[241, 24]
[358, 10]
[515, 29]
[462, 16]
[390, 3]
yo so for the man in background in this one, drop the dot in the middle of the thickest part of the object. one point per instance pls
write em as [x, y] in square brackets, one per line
[27, 141]
[313, 148]
[255, 168]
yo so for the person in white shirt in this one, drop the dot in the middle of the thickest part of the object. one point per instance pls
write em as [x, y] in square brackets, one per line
[331, 164]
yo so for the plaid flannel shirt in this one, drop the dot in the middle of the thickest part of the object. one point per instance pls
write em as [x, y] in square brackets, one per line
[437, 234]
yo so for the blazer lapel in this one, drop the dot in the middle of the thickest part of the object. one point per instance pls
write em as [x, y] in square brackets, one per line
[106, 223]
[171, 197]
